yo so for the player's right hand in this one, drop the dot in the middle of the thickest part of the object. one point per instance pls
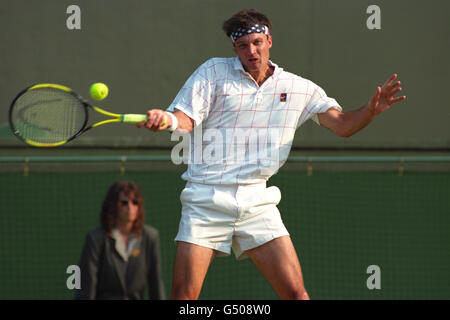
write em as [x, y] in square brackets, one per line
[155, 120]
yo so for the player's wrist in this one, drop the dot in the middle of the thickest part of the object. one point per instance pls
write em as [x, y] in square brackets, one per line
[370, 110]
[174, 122]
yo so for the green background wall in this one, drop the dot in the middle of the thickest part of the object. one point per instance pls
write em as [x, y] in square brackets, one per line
[145, 50]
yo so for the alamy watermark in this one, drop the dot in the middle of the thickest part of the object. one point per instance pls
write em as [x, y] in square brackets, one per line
[212, 146]
[73, 21]
[374, 280]
[374, 20]
[74, 280]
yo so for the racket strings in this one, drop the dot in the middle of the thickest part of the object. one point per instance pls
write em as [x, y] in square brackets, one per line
[48, 115]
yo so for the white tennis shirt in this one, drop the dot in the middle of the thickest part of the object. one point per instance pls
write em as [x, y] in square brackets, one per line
[243, 132]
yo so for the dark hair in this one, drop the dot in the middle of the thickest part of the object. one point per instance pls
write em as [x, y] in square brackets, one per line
[244, 19]
[108, 215]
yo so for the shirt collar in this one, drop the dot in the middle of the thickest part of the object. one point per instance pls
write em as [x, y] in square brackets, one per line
[238, 66]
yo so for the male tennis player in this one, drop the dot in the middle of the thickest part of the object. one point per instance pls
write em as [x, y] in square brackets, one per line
[226, 204]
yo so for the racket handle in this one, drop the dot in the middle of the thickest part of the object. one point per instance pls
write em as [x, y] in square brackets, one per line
[133, 118]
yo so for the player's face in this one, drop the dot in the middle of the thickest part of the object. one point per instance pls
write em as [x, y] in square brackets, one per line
[253, 51]
[128, 208]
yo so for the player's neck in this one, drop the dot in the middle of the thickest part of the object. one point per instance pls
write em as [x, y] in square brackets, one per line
[261, 75]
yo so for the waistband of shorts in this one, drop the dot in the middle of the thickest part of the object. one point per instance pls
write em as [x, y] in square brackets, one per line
[231, 185]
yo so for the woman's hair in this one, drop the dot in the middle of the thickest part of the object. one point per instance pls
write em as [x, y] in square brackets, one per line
[245, 19]
[108, 215]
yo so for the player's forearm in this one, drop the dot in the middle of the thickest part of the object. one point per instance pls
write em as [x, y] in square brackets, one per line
[355, 120]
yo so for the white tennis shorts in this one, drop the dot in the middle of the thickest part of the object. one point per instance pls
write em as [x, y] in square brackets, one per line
[222, 217]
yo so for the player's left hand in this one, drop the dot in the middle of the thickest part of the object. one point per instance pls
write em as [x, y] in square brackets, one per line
[384, 97]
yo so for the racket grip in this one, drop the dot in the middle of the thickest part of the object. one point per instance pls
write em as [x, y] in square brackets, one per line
[133, 118]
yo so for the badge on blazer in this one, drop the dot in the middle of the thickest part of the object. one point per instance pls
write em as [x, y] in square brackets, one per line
[136, 252]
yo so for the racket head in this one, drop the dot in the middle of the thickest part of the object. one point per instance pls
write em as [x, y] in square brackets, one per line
[47, 115]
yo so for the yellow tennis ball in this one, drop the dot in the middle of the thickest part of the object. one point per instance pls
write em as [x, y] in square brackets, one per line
[99, 91]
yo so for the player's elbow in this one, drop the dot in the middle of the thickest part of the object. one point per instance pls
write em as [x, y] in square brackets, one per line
[337, 122]
[345, 134]
[345, 129]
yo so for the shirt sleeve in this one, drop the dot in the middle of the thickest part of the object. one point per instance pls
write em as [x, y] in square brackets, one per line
[318, 103]
[196, 96]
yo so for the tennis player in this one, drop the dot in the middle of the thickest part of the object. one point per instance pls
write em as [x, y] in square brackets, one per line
[226, 204]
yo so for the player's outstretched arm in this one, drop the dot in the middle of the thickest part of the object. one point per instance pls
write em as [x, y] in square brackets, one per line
[346, 124]
[155, 121]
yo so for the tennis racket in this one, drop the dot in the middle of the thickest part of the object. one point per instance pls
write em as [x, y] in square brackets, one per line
[50, 115]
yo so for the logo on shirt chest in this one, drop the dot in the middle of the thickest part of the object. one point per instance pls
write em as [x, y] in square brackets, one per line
[283, 97]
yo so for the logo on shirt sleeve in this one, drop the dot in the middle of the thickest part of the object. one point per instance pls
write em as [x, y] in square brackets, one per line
[283, 97]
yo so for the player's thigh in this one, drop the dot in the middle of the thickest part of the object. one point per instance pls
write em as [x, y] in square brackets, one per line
[190, 268]
[279, 263]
